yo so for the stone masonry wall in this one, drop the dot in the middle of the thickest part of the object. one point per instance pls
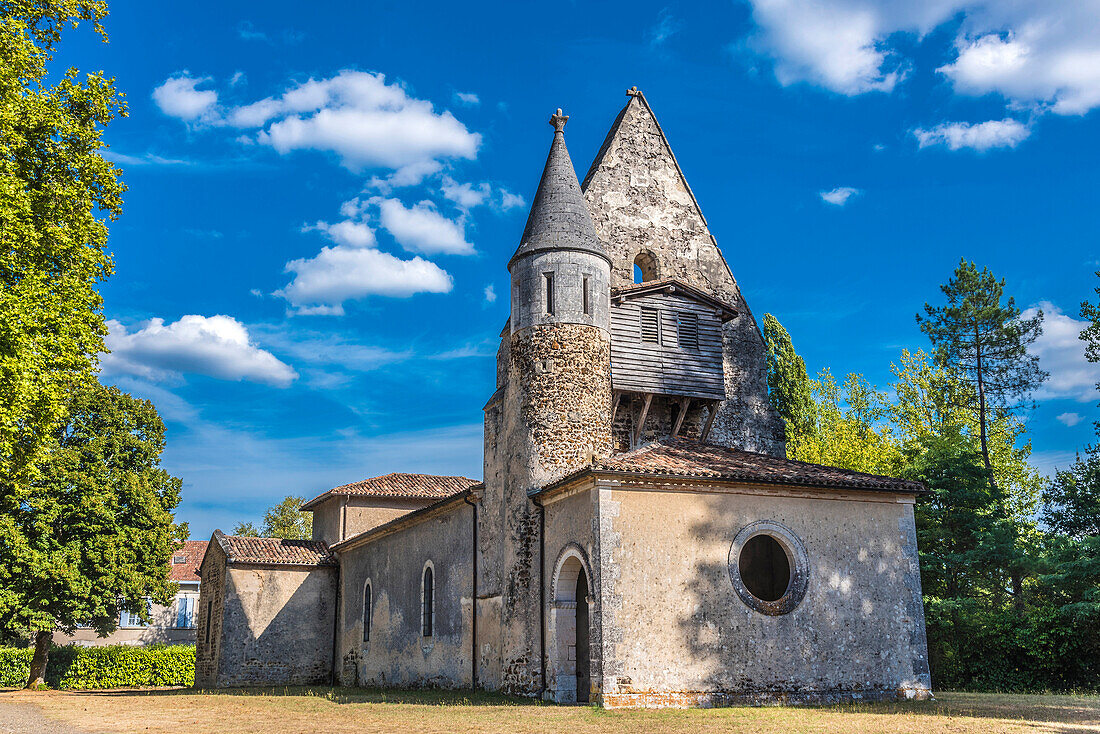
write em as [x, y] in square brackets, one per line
[211, 603]
[277, 626]
[555, 416]
[641, 204]
[397, 654]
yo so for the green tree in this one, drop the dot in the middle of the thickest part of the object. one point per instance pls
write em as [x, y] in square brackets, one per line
[284, 520]
[849, 428]
[790, 390]
[56, 194]
[984, 339]
[1072, 501]
[94, 533]
[1091, 333]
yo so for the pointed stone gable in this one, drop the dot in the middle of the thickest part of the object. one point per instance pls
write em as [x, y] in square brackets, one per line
[643, 208]
[641, 201]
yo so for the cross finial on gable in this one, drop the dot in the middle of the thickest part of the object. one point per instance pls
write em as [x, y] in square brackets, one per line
[633, 92]
[558, 120]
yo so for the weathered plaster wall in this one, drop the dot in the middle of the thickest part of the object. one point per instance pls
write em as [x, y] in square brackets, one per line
[345, 517]
[676, 633]
[571, 530]
[640, 203]
[277, 625]
[209, 617]
[397, 654]
[327, 518]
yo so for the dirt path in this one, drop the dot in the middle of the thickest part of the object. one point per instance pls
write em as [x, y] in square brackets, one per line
[22, 718]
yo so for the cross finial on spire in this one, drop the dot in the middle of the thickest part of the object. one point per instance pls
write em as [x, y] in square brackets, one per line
[558, 120]
[633, 92]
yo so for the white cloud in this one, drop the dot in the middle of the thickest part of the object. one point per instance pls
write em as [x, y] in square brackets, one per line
[666, 27]
[347, 232]
[839, 196]
[490, 294]
[465, 195]
[337, 274]
[178, 97]
[468, 98]
[149, 159]
[237, 78]
[1070, 419]
[1032, 52]
[361, 118]
[421, 228]
[217, 346]
[1062, 354]
[1007, 133]
[509, 200]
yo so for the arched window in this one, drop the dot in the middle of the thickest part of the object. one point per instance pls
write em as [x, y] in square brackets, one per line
[368, 597]
[428, 607]
[645, 267]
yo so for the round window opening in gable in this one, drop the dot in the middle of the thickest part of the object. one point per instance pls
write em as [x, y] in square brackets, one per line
[768, 567]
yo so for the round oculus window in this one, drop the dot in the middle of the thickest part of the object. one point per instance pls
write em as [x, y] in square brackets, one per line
[768, 567]
[765, 568]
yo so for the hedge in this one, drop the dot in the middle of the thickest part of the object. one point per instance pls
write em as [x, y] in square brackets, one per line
[112, 666]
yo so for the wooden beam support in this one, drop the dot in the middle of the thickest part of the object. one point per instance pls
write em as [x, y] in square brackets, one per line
[616, 398]
[641, 419]
[685, 403]
[710, 420]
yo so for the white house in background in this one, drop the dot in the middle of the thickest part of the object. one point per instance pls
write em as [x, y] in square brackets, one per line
[172, 624]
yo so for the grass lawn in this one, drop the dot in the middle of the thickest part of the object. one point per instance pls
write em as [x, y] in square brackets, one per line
[323, 709]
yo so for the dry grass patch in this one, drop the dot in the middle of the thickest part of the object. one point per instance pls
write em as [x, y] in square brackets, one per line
[322, 709]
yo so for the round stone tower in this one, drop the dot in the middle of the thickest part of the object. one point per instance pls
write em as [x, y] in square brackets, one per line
[560, 328]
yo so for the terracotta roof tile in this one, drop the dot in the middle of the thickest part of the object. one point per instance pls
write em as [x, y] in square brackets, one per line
[185, 562]
[279, 551]
[685, 458]
[426, 486]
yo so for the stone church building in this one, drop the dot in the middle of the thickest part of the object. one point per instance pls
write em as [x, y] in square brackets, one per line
[639, 538]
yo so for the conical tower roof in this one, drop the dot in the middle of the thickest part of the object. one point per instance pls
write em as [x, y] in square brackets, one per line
[559, 218]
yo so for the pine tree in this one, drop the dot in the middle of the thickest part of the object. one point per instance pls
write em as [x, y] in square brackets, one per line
[984, 339]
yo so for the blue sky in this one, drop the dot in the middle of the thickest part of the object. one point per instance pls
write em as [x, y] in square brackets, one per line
[322, 204]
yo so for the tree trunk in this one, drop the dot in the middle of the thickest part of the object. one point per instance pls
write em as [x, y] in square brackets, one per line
[42, 641]
[1018, 591]
[982, 410]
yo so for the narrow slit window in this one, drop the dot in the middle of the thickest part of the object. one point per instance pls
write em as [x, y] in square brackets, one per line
[651, 326]
[367, 598]
[687, 330]
[549, 283]
[586, 302]
[209, 621]
[429, 602]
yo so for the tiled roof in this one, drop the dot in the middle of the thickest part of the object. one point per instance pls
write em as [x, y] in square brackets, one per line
[279, 551]
[425, 486]
[683, 458]
[189, 559]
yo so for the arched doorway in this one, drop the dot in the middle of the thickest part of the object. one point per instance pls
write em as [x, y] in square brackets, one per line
[570, 620]
[584, 679]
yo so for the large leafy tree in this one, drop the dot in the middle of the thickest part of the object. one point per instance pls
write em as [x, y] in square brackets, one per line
[849, 428]
[94, 533]
[981, 335]
[283, 520]
[56, 194]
